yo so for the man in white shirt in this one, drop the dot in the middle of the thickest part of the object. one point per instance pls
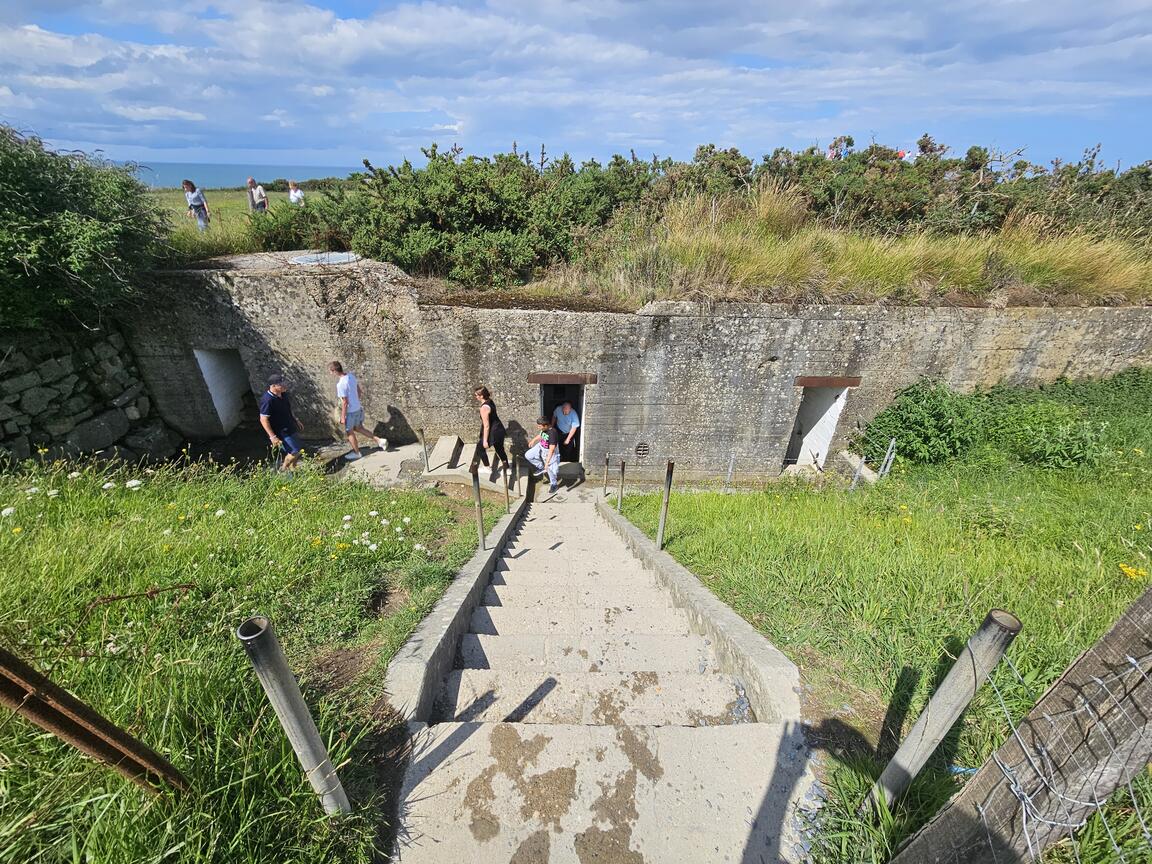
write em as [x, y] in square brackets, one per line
[352, 410]
[568, 422]
[257, 199]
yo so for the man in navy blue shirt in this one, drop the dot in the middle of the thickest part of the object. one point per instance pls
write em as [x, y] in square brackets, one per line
[279, 422]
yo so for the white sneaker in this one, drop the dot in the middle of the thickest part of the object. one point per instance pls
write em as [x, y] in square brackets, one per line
[352, 456]
[382, 443]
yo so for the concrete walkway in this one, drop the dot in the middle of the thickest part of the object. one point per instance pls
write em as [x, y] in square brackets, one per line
[585, 722]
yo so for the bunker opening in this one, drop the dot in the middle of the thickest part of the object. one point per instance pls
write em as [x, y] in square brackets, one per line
[821, 404]
[562, 398]
[228, 385]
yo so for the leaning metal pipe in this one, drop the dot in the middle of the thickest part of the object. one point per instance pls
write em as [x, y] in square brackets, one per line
[31, 695]
[664, 505]
[966, 676]
[263, 649]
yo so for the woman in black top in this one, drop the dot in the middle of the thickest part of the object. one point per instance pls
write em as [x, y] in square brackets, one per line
[492, 430]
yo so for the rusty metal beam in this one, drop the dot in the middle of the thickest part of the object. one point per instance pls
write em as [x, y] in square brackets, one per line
[32, 696]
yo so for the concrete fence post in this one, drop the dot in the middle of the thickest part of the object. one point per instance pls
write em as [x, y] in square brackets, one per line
[424, 447]
[967, 675]
[664, 505]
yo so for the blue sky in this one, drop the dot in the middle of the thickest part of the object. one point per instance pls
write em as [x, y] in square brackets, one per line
[331, 83]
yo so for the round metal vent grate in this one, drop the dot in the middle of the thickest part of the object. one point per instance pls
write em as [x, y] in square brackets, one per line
[642, 450]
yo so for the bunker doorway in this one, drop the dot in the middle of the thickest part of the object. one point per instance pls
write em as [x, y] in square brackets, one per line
[227, 382]
[552, 396]
[815, 426]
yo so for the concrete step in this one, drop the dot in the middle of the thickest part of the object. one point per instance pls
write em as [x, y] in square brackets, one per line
[502, 793]
[580, 620]
[591, 699]
[606, 581]
[446, 452]
[575, 653]
[568, 564]
[590, 593]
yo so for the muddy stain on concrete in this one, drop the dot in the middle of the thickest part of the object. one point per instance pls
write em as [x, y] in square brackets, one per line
[534, 850]
[548, 796]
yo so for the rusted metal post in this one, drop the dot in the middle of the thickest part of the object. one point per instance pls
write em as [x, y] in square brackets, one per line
[620, 494]
[966, 676]
[263, 649]
[424, 447]
[479, 502]
[507, 496]
[664, 505]
[607, 456]
[31, 695]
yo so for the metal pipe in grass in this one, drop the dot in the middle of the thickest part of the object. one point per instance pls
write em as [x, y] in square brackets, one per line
[263, 649]
[664, 505]
[889, 458]
[34, 697]
[620, 494]
[967, 675]
[479, 502]
[607, 456]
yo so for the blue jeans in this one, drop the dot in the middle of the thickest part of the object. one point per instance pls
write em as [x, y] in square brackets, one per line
[201, 218]
[537, 455]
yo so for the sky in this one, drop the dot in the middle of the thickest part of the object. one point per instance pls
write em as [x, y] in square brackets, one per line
[280, 82]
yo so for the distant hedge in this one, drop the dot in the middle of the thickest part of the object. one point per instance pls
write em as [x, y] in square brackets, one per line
[76, 233]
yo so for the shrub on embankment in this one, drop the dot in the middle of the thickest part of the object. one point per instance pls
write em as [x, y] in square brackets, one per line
[76, 233]
[126, 586]
[867, 226]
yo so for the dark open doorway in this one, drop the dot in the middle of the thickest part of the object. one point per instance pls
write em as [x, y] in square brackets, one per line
[552, 397]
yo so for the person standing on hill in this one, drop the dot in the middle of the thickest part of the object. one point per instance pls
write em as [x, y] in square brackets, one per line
[295, 193]
[279, 422]
[257, 198]
[492, 432]
[350, 395]
[197, 204]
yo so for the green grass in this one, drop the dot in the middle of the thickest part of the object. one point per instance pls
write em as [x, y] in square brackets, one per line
[857, 586]
[766, 245]
[169, 668]
[227, 232]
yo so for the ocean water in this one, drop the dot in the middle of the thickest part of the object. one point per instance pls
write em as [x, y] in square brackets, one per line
[168, 175]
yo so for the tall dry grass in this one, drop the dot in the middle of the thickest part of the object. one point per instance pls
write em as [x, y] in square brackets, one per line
[766, 244]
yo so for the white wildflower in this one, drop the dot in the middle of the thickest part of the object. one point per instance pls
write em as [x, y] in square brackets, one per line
[399, 530]
[166, 531]
[372, 547]
[418, 547]
[373, 513]
[383, 521]
[7, 511]
[407, 520]
[32, 490]
[345, 527]
[250, 531]
[109, 485]
[220, 512]
[364, 534]
[73, 475]
[347, 518]
[52, 493]
[133, 484]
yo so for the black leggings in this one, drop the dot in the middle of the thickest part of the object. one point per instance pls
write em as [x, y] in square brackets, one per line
[496, 439]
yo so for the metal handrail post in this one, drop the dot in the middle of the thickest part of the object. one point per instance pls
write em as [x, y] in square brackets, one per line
[620, 494]
[607, 456]
[507, 496]
[263, 649]
[479, 502]
[664, 506]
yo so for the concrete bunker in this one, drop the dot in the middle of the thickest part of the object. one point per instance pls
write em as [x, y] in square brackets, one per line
[227, 381]
[821, 404]
[556, 388]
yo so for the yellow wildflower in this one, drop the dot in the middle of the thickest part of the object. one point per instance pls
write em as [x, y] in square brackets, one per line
[1134, 573]
[17, 530]
[907, 520]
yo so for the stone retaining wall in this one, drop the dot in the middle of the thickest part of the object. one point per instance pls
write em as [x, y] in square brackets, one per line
[77, 394]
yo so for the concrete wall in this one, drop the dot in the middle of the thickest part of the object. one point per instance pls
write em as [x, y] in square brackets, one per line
[698, 385]
[68, 394]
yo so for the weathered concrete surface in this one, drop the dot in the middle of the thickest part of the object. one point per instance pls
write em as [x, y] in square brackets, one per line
[503, 793]
[701, 384]
[586, 722]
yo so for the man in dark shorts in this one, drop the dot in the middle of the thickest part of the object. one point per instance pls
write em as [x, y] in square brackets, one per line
[279, 422]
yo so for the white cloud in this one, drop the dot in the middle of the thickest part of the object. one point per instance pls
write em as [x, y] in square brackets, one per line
[155, 112]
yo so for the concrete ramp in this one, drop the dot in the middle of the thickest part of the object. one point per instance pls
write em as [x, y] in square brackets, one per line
[589, 721]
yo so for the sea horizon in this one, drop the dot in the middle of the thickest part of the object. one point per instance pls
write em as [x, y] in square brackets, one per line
[225, 175]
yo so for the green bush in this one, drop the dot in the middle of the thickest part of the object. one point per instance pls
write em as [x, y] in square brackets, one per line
[930, 423]
[1066, 445]
[76, 233]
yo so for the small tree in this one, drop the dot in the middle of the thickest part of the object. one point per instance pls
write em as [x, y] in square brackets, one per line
[76, 234]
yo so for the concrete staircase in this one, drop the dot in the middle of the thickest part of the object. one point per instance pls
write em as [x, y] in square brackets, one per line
[585, 722]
